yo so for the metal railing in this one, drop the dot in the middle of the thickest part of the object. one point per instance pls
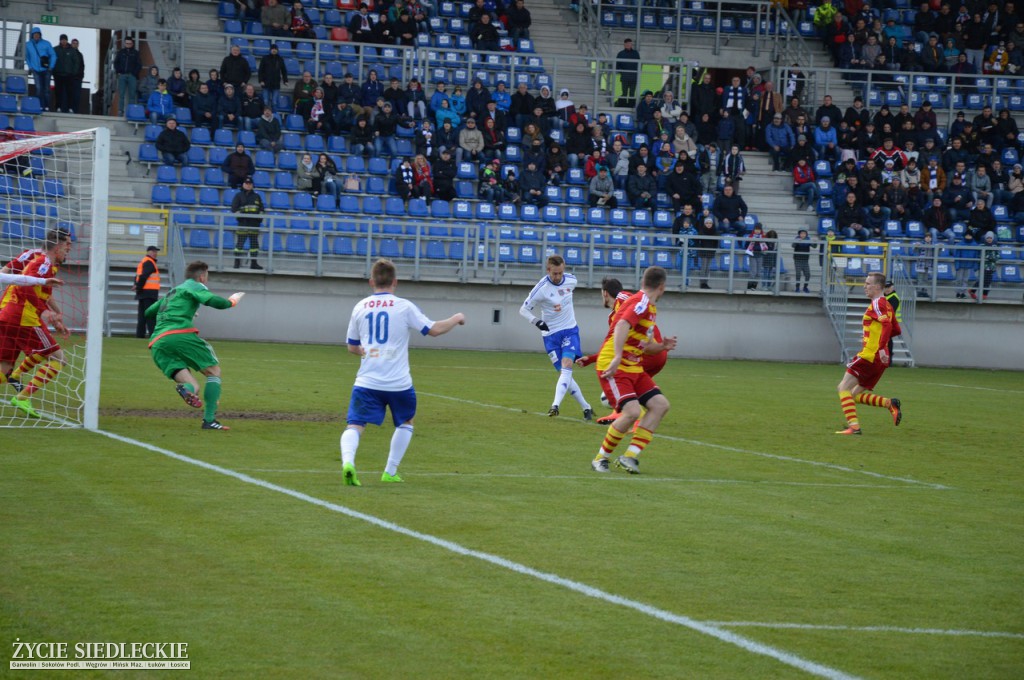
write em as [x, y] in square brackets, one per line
[948, 92]
[483, 251]
[424, 63]
[168, 16]
[765, 24]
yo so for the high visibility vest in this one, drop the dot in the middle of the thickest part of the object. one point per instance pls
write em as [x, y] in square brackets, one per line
[894, 302]
[153, 282]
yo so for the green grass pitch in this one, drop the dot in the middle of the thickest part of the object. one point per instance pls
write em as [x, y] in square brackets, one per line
[898, 554]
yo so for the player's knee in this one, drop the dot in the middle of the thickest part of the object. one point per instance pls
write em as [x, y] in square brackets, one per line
[631, 409]
[659, 405]
[211, 371]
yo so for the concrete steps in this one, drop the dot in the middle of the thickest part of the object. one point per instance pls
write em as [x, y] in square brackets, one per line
[769, 195]
[553, 33]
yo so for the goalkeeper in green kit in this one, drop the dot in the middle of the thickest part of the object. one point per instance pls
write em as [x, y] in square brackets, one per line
[176, 346]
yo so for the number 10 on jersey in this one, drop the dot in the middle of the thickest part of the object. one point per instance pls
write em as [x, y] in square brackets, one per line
[377, 328]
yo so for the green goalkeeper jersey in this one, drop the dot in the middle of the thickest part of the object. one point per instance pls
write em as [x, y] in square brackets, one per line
[175, 312]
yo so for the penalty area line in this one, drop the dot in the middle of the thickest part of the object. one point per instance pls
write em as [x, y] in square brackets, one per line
[716, 632]
[723, 447]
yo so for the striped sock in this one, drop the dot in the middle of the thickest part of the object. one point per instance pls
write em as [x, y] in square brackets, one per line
[846, 400]
[30, 362]
[872, 400]
[211, 397]
[45, 374]
[611, 439]
[641, 438]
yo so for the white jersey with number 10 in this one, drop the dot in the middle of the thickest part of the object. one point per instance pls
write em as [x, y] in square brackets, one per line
[381, 324]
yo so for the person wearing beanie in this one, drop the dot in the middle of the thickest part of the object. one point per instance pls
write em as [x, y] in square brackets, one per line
[272, 74]
[65, 71]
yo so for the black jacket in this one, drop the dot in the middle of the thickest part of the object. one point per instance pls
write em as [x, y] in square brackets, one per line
[173, 141]
[272, 72]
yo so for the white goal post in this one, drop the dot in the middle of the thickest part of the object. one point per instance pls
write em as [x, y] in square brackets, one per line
[53, 184]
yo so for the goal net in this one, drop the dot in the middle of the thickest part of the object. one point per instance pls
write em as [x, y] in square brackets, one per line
[53, 215]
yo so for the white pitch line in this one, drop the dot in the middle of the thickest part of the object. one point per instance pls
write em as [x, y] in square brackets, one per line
[715, 632]
[600, 478]
[972, 387]
[869, 629]
[723, 447]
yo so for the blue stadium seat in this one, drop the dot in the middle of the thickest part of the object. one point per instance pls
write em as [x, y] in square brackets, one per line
[16, 85]
[160, 194]
[349, 205]
[185, 196]
[441, 210]
[284, 181]
[136, 113]
[165, 174]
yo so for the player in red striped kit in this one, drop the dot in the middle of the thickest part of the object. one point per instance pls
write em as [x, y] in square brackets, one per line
[624, 380]
[613, 296]
[27, 311]
[866, 369]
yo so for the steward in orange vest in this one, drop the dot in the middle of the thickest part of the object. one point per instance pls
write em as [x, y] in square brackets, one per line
[147, 291]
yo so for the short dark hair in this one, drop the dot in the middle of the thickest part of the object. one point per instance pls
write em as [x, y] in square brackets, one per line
[611, 285]
[194, 269]
[383, 273]
[555, 261]
[55, 237]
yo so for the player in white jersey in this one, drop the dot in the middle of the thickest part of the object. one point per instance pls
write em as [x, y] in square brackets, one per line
[378, 332]
[557, 323]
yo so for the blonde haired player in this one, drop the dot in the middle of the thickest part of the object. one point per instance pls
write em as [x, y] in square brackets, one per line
[866, 369]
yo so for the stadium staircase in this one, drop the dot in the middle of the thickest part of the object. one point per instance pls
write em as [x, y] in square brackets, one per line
[846, 316]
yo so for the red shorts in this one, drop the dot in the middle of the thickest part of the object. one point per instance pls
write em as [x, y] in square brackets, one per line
[622, 387]
[653, 363]
[27, 339]
[867, 373]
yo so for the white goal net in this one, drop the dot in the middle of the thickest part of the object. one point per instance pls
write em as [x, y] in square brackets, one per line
[53, 214]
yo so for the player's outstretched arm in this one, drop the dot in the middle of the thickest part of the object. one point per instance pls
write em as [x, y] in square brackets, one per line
[235, 298]
[666, 345]
[7, 279]
[527, 314]
[445, 325]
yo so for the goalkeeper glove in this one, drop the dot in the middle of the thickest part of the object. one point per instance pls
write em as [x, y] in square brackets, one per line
[539, 323]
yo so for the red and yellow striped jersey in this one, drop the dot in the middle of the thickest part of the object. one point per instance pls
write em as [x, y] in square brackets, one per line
[879, 322]
[17, 266]
[641, 314]
[24, 305]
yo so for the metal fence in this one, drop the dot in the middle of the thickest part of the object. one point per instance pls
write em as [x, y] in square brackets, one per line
[947, 92]
[767, 25]
[428, 64]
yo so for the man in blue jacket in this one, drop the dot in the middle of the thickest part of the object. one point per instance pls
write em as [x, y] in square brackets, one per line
[40, 59]
[780, 140]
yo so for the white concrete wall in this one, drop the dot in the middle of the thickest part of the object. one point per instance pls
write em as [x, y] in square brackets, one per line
[709, 326]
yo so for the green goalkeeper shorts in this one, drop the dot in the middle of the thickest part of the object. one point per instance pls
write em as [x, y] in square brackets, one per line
[172, 353]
